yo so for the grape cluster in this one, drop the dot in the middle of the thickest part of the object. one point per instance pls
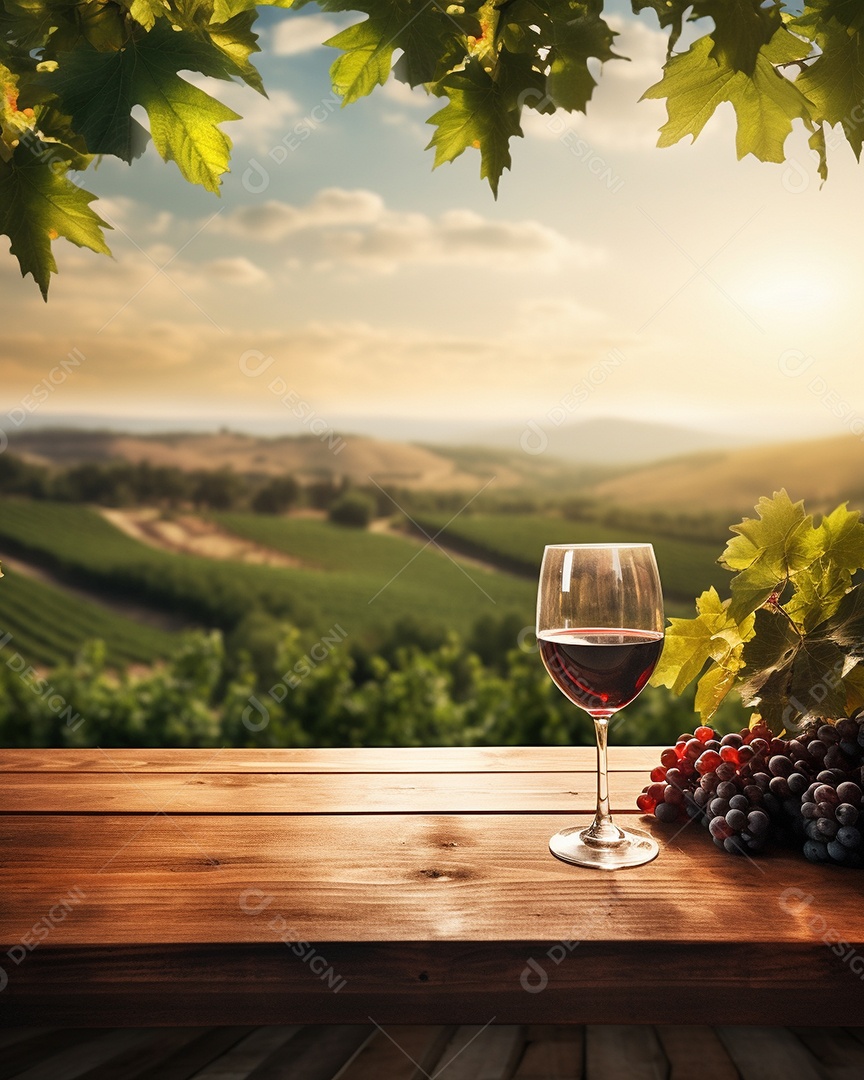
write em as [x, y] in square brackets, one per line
[751, 789]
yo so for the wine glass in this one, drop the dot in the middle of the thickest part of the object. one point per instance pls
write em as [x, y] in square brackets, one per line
[600, 630]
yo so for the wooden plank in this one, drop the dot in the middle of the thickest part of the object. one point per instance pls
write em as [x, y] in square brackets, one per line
[70, 1064]
[686, 1046]
[316, 793]
[410, 759]
[17, 1035]
[135, 1062]
[768, 1053]
[248, 1054]
[624, 1052]
[367, 878]
[556, 1056]
[403, 1052]
[840, 1054]
[315, 1053]
[28, 1052]
[429, 983]
[488, 1052]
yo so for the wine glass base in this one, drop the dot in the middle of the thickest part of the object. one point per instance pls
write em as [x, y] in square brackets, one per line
[634, 849]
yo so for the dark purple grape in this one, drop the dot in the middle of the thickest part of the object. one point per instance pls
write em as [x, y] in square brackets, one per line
[779, 765]
[826, 793]
[736, 819]
[779, 787]
[845, 814]
[735, 845]
[762, 780]
[719, 829]
[826, 809]
[726, 790]
[701, 797]
[827, 827]
[666, 812]
[837, 852]
[849, 837]
[753, 794]
[815, 851]
[848, 792]
[835, 758]
[809, 810]
[817, 750]
[725, 770]
[850, 747]
[731, 740]
[709, 781]
[718, 807]
[847, 729]
[739, 802]
[797, 783]
[758, 822]
[828, 734]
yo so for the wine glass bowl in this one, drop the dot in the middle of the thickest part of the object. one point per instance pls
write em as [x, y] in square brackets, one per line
[600, 630]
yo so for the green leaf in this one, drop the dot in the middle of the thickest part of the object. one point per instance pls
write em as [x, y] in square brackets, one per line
[146, 12]
[670, 13]
[712, 689]
[367, 59]
[37, 204]
[769, 550]
[690, 643]
[816, 686]
[834, 82]
[573, 42]
[695, 83]
[477, 115]
[99, 90]
[772, 647]
[742, 28]
[853, 681]
[845, 628]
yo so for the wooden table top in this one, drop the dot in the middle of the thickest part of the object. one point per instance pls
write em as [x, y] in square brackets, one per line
[209, 887]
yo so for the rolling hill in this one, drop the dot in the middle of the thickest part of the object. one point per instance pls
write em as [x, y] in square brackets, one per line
[822, 472]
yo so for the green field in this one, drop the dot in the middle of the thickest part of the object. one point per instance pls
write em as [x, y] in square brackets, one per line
[516, 542]
[48, 625]
[363, 581]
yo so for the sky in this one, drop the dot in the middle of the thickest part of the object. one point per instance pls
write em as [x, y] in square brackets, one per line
[609, 279]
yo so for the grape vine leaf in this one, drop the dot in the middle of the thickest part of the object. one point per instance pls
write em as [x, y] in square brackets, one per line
[853, 681]
[829, 578]
[772, 647]
[367, 58]
[765, 103]
[99, 90]
[769, 550]
[476, 115]
[690, 643]
[37, 204]
[712, 689]
[845, 627]
[834, 82]
[573, 42]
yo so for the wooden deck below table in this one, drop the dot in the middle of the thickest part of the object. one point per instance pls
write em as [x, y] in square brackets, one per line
[326, 887]
[614, 1052]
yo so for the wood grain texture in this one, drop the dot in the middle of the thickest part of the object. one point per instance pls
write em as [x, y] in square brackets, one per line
[768, 1053]
[695, 1047]
[212, 908]
[311, 793]
[406, 1052]
[619, 1052]
[445, 759]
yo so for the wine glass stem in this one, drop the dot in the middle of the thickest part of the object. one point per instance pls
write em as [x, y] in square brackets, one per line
[603, 828]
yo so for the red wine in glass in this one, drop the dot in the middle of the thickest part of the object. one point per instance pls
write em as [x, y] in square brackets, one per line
[600, 628]
[600, 669]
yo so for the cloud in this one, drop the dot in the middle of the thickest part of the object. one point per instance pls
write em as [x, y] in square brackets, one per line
[301, 33]
[354, 229]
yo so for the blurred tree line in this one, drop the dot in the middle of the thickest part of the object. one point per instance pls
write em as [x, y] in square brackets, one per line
[267, 685]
